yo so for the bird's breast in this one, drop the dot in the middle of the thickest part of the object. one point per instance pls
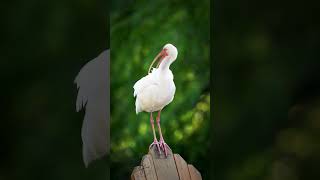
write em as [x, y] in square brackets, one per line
[154, 98]
[154, 91]
[167, 90]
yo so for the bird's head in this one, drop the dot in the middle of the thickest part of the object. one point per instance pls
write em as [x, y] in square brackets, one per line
[169, 52]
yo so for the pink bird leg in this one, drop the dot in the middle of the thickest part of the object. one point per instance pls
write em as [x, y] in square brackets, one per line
[163, 144]
[155, 141]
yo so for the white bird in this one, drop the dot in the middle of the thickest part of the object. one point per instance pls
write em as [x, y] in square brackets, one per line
[156, 90]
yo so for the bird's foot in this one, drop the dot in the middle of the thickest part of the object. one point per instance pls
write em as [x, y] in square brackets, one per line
[155, 143]
[164, 146]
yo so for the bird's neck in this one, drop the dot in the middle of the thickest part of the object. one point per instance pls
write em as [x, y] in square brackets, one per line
[165, 64]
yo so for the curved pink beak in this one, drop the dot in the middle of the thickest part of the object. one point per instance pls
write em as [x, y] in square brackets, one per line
[163, 53]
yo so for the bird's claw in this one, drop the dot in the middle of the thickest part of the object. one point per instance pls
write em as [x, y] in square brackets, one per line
[155, 143]
[164, 146]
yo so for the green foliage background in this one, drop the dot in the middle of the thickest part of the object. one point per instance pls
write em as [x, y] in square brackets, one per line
[139, 30]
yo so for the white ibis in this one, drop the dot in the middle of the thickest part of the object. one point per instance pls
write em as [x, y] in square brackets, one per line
[156, 90]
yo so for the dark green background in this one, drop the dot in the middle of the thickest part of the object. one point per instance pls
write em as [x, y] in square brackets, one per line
[266, 90]
[139, 30]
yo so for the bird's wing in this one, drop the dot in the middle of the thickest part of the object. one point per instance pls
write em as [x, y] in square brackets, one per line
[150, 79]
[93, 94]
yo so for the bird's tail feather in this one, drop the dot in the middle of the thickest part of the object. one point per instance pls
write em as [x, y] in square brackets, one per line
[138, 108]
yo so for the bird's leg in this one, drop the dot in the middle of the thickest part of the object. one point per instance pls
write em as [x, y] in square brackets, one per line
[155, 141]
[162, 143]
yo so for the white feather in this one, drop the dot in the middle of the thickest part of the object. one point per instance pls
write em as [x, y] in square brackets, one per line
[154, 91]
